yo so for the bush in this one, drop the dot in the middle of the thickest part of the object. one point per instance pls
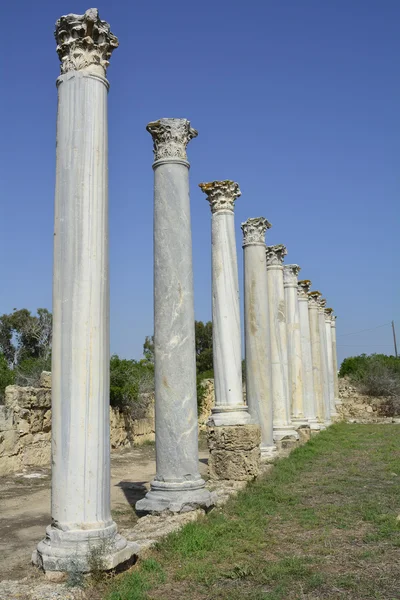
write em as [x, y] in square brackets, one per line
[376, 375]
[7, 376]
[29, 370]
[356, 367]
[128, 380]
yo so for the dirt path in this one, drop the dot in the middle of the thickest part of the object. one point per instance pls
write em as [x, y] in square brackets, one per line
[25, 505]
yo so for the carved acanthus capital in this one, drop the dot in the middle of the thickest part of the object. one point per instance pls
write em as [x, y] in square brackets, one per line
[313, 299]
[322, 304]
[303, 288]
[254, 231]
[328, 314]
[221, 194]
[290, 273]
[275, 254]
[171, 137]
[84, 41]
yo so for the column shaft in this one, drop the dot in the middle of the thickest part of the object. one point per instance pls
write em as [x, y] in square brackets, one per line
[324, 362]
[80, 506]
[335, 361]
[328, 334]
[295, 361]
[230, 408]
[316, 357]
[310, 411]
[282, 424]
[177, 485]
[258, 355]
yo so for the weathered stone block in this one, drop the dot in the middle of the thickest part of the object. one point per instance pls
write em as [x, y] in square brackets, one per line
[6, 419]
[9, 442]
[234, 437]
[234, 452]
[304, 435]
[47, 421]
[43, 398]
[45, 379]
[236, 466]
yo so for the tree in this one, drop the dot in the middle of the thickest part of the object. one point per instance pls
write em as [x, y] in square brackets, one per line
[6, 376]
[24, 336]
[148, 349]
[204, 346]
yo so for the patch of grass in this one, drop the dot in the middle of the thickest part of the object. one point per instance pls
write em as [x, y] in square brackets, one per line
[322, 522]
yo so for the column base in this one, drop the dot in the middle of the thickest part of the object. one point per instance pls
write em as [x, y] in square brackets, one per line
[175, 497]
[284, 431]
[230, 415]
[83, 550]
[268, 453]
[314, 424]
[299, 422]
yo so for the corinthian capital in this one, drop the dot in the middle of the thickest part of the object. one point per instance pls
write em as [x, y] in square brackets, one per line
[275, 254]
[170, 138]
[328, 314]
[290, 273]
[322, 304]
[303, 288]
[313, 299]
[84, 41]
[221, 194]
[254, 231]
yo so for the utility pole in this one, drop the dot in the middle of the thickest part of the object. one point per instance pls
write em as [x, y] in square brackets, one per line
[394, 339]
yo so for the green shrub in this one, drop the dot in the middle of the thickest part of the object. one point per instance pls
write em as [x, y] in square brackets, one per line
[7, 376]
[201, 389]
[28, 371]
[128, 379]
[356, 367]
[376, 375]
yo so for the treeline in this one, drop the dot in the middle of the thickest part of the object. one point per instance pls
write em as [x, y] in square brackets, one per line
[25, 351]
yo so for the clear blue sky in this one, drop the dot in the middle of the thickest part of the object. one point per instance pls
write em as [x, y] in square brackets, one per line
[297, 101]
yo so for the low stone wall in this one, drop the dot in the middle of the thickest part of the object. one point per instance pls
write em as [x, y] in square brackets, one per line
[25, 427]
[356, 407]
[207, 403]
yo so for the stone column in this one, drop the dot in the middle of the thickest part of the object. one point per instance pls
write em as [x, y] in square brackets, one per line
[80, 506]
[324, 360]
[177, 485]
[334, 360]
[310, 410]
[328, 330]
[258, 355]
[283, 426]
[313, 304]
[230, 408]
[295, 359]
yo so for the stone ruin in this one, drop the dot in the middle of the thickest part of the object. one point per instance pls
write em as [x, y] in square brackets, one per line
[290, 343]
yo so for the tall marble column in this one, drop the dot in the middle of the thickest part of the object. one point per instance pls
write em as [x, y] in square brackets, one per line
[295, 359]
[328, 333]
[309, 403]
[230, 408]
[313, 305]
[282, 424]
[177, 485]
[258, 354]
[334, 360]
[324, 360]
[80, 502]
